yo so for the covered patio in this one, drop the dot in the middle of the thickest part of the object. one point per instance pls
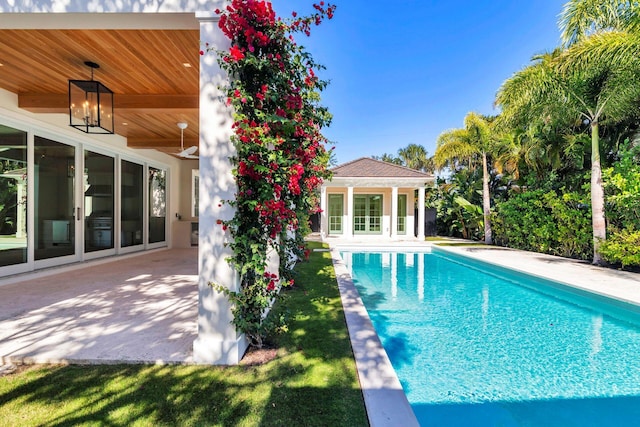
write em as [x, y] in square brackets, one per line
[137, 309]
[78, 195]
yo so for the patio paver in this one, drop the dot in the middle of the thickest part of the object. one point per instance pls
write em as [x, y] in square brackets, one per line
[134, 309]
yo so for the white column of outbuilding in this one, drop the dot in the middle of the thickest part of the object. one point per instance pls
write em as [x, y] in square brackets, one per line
[348, 223]
[394, 212]
[421, 195]
[324, 215]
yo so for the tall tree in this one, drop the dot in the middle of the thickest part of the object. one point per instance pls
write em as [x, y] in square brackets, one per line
[564, 87]
[468, 145]
[416, 157]
[582, 18]
[413, 156]
[389, 158]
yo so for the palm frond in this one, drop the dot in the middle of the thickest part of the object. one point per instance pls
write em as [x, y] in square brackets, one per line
[581, 19]
[609, 49]
[532, 92]
[453, 146]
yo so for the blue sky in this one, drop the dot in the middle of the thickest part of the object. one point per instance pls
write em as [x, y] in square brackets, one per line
[404, 71]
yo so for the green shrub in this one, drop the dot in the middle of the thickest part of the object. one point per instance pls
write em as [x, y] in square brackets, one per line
[546, 222]
[622, 247]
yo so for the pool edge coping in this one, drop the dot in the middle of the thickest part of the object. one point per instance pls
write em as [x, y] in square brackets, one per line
[566, 280]
[385, 401]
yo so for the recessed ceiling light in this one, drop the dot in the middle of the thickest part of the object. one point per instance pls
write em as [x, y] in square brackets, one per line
[186, 65]
[125, 124]
[1, 64]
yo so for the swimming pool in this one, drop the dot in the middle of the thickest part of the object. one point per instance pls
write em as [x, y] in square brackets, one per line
[487, 347]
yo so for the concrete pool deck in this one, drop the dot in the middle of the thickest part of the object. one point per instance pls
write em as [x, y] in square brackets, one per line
[386, 403]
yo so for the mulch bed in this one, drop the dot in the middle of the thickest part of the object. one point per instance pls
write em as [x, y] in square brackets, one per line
[259, 356]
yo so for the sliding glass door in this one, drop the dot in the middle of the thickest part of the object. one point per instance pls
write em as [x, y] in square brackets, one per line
[132, 203]
[13, 196]
[54, 199]
[157, 205]
[98, 186]
[63, 200]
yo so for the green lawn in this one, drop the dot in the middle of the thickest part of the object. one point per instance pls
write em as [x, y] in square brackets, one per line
[312, 382]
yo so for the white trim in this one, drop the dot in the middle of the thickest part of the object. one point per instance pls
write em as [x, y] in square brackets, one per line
[421, 209]
[394, 212]
[379, 182]
[348, 215]
[324, 214]
[100, 21]
[134, 7]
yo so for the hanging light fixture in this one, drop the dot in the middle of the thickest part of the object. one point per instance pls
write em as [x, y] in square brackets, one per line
[90, 105]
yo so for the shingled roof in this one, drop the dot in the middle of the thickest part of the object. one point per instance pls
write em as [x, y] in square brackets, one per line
[366, 167]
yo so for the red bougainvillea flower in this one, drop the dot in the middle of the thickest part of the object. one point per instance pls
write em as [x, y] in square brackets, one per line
[236, 53]
[280, 159]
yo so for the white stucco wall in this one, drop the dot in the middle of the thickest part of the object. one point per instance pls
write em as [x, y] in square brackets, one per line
[112, 6]
[218, 341]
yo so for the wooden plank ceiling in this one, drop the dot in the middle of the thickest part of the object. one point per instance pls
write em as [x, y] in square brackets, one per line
[153, 88]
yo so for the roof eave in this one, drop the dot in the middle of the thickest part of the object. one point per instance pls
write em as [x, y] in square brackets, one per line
[401, 182]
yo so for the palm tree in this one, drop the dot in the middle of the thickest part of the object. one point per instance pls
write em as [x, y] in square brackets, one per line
[572, 86]
[465, 145]
[416, 157]
[389, 158]
[582, 18]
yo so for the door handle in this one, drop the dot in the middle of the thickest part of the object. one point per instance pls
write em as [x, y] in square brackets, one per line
[78, 213]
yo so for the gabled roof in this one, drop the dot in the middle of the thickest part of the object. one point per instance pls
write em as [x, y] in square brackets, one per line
[366, 167]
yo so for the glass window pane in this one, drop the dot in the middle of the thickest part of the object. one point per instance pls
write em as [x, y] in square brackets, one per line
[335, 213]
[13, 196]
[367, 213]
[132, 199]
[195, 192]
[54, 184]
[157, 205]
[359, 213]
[98, 179]
[402, 213]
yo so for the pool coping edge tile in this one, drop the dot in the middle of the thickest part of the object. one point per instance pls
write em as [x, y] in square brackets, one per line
[385, 400]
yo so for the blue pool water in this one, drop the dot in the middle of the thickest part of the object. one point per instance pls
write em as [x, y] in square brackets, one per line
[477, 346]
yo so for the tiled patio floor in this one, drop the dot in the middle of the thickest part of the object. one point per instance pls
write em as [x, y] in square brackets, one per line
[139, 308]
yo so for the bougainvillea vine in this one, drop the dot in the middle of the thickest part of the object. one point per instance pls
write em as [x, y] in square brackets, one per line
[280, 159]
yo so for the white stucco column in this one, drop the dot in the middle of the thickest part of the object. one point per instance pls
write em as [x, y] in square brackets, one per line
[324, 215]
[394, 212]
[348, 215]
[421, 213]
[218, 342]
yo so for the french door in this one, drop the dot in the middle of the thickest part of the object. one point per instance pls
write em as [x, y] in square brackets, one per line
[367, 209]
[336, 210]
[402, 214]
